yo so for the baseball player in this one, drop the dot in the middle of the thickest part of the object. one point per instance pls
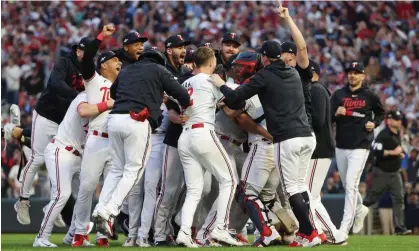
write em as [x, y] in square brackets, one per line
[64, 84]
[133, 46]
[96, 151]
[200, 150]
[63, 159]
[135, 115]
[357, 111]
[175, 51]
[322, 157]
[230, 45]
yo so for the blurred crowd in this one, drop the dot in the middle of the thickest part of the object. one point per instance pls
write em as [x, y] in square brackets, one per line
[382, 35]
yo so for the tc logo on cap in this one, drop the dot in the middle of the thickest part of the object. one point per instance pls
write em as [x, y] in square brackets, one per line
[354, 64]
[233, 35]
[137, 34]
[180, 37]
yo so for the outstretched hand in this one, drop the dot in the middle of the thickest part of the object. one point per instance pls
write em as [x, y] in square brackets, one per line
[216, 80]
[282, 11]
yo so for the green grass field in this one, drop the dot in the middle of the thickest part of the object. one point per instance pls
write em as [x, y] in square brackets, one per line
[23, 242]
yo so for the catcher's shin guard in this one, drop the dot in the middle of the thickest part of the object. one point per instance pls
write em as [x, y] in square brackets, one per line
[280, 217]
[256, 211]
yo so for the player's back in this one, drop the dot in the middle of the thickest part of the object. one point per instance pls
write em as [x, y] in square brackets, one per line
[73, 128]
[204, 97]
[98, 90]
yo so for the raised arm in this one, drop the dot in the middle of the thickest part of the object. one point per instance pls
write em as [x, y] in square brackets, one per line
[88, 68]
[297, 36]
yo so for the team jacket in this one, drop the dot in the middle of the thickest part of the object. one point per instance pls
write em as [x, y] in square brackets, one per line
[322, 121]
[387, 140]
[174, 130]
[177, 72]
[281, 93]
[63, 86]
[123, 56]
[350, 129]
[142, 85]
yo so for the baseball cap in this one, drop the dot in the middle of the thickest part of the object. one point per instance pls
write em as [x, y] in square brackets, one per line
[314, 66]
[189, 56]
[355, 66]
[133, 37]
[396, 115]
[289, 47]
[271, 49]
[207, 44]
[83, 43]
[104, 57]
[231, 37]
[176, 41]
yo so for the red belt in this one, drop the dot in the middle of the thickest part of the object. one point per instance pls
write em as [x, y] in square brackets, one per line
[199, 125]
[69, 148]
[227, 138]
[103, 134]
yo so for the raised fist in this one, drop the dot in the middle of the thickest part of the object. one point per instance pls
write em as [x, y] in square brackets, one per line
[108, 30]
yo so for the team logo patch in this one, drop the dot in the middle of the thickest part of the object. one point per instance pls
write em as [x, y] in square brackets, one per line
[137, 34]
[125, 40]
[354, 64]
[180, 37]
[233, 35]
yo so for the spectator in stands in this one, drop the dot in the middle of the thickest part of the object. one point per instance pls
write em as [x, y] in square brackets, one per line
[413, 167]
[12, 74]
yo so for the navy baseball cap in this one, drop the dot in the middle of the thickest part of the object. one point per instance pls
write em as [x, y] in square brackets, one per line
[271, 49]
[289, 47]
[104, 57]
[189, 56]
[176, 41]
[314, 66]
[133, 37]
[231, 37]
[207, 44]
[82, 44]
[396, 115]
[355, 66]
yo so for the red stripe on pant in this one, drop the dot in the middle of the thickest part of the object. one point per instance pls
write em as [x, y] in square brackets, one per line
[250, 163]
[57, 168]
[32, 155]
[326, 226]
[313, 171]
[163, 183]
[207, 229]
[231, 197]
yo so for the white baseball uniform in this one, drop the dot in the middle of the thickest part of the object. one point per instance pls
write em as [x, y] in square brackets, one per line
[63, 160]
[231, 137]
[200, 149]
[96, 153]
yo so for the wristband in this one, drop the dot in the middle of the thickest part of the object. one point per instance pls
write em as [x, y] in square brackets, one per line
[100, 36]
[102, 107]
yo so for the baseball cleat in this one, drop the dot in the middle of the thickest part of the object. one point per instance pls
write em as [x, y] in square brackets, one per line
[340, 239]
[103, 225]
[242, 239]
[15, 115]
[43, 243]
[185, 240]
[224, 237]
[8, 129]
[323, 237]
[68, 239]
[102, 242]
[129, 242]
[142, 242]
[22, 210]
[303, 240]
[359, 220]
[59, 222]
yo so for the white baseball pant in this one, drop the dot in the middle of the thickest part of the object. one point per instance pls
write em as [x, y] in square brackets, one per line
[96, 161]
[62, 163]
[152, 176]
[171, 185]
[200, 150]
[351, 163]
[130, 146]
[317, 173]
[238, 219]
[43, 130]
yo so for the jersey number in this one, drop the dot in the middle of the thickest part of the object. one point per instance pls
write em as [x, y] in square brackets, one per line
[106, 93]
[190, 92]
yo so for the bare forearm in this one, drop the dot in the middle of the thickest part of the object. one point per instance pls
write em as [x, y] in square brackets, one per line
[297, 36]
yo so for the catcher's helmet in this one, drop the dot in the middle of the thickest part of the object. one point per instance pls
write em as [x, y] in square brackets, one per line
[247, 64]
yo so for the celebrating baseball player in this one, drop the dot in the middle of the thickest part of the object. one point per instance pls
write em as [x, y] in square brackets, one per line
[200, 151]
[64, 84]
[96, 151]
[357, 111]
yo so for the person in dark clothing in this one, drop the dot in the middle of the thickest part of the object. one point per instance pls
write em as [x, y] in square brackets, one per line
[322, 155]
[63, 86]
[280, 91]
[413, 167]
[356, 111]
[388, 154]
[175, 52]
[133, 47]
[136, 113]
